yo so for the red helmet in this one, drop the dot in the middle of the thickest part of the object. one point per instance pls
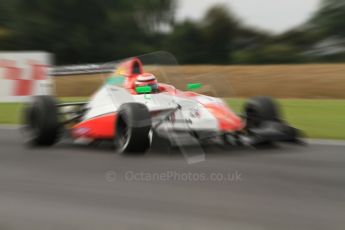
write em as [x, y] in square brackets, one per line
[147, 79]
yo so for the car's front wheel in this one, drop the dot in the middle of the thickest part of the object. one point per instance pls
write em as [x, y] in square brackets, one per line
[261, 109]
[132, 128]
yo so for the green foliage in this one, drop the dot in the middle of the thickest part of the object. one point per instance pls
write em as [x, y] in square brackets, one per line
[244, 57]
[269, 54]
[186, 42]
[82, 31]
[219, 30]
[278, 53]
[330, 18]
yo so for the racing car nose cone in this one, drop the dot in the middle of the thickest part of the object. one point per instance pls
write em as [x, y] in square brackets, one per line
[227, 120]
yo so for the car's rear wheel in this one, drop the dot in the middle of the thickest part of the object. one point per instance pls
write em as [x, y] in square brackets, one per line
[132, 128]
[41, 126]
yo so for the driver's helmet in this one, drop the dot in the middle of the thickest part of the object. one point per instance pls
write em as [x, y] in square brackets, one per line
[147, 79]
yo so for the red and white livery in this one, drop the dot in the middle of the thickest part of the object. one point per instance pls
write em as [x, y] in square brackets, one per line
[130, 113]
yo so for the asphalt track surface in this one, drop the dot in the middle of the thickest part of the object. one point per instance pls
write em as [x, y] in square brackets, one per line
[80, 187]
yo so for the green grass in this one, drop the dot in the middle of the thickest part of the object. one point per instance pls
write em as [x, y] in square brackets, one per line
[10, 113]
[317, 118]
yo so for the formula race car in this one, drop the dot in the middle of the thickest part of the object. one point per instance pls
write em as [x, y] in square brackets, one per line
[132, 107]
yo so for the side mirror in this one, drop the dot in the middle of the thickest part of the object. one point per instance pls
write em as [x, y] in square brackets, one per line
[194, 86]
[143, 89]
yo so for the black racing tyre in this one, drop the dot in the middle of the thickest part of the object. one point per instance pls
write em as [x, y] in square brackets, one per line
[260, 109]
[132, 129]
[41, 124]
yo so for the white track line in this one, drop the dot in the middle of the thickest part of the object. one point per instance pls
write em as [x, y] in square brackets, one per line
[325, 142]
[9, 127]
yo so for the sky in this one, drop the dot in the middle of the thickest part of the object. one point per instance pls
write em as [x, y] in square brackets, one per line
[272, 15]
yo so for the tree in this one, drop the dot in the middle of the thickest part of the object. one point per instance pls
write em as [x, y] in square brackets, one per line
[154, 15]
[185, 43]
[330, 18]
[80, 31]
[219, 28]
[279, 53]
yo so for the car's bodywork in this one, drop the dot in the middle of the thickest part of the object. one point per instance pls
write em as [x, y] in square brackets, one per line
[171, 113]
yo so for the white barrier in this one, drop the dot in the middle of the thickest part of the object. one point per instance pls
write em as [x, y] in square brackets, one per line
[24, 74]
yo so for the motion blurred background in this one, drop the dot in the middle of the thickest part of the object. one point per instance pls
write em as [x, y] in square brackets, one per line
[212, 32]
